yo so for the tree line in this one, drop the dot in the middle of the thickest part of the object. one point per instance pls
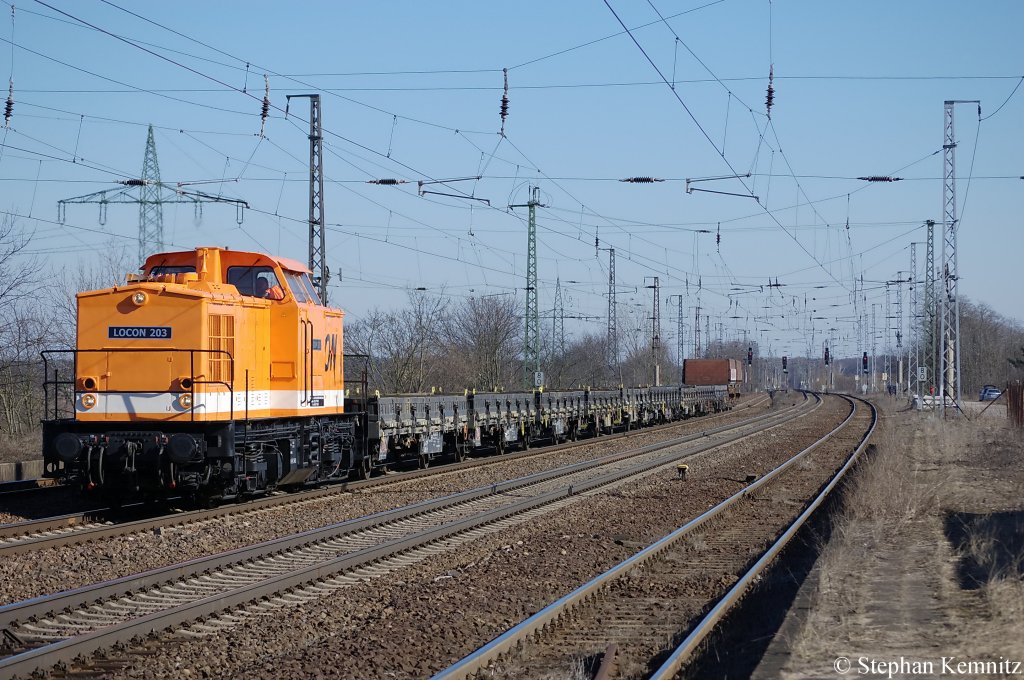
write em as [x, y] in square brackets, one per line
[447, 344]
[434, 341]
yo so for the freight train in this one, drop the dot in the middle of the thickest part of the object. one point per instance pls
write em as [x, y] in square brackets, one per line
[728, 372]
[217, 374]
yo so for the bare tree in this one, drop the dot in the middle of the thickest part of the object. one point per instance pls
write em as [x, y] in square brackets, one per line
[28, 332]
[987, 340]
[403, 346]
[585, 363]
[88, 274]
[24, 325]
[1018, 361]
[18, 275]
[483, 338]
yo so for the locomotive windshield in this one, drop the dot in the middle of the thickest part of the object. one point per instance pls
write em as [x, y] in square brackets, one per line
[256, 282]
[302, 287]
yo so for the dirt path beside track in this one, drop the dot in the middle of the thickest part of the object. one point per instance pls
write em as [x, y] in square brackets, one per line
[926, 564]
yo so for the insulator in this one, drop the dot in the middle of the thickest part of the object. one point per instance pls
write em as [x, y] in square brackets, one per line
[769, 100]
[879, 178]
[9, 108]
[265, 109]
[386, 181]
[133, 182]
[641, 180]
[504, 102]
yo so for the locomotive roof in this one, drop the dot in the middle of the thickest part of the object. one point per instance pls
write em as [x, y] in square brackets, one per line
[283, 262]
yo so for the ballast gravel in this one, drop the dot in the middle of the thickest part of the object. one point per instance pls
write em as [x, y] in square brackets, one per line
[417, 620]
[62, 568]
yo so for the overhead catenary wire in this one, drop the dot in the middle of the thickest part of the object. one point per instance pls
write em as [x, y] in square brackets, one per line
[390, 203]
[711, 141]
[1005, 101]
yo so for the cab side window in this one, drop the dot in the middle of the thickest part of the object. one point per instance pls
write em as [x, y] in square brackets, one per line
[258, 282]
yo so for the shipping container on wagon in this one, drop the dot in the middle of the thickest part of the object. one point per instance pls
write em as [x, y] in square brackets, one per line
[735, 371]
[706, 372]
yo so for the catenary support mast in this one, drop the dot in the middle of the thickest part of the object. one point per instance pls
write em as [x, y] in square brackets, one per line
[531, 341]
[317, 245]
[949, 329]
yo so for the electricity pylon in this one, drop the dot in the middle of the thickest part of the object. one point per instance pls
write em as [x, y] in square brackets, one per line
[152, 196]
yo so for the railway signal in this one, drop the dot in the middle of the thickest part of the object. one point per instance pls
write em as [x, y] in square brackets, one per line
[750, 356]
[864, 363]
[785, 361]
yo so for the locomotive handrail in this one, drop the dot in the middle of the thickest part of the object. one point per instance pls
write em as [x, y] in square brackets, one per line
[56, 383]
[307, 361]
[306, 351]
[312, 364]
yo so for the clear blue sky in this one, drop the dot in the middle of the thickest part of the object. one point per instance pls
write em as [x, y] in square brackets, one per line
[412, 91]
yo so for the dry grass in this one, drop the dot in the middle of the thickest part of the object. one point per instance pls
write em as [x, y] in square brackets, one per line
[1005, 600]
[1003, 568]
[891, 528]
[996, 628]
[20, 447]
[578, 670]
[890, 490]
[882, 501]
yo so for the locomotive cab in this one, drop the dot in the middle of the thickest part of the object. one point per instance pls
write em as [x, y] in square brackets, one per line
[212, 369]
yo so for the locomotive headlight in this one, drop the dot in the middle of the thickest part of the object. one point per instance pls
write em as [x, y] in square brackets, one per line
[139, 298]
[185, 400]
[88, 400]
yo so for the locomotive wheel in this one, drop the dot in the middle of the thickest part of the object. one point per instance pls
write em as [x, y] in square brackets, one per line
[460, 450]
[424, 461]
[365, 468]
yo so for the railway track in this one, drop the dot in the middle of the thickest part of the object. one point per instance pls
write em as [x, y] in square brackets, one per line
[94, 525]
[628, 619]
[55, 629]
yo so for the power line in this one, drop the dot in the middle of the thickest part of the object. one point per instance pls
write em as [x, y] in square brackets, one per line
[128, 85]
[608, 37]
[1005, 101]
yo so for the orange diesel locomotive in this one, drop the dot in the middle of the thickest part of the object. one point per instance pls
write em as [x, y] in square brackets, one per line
[214, 370]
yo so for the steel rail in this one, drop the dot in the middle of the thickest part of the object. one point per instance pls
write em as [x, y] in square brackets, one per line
[67, 649]
[79, 528]
[42, 606]
[549, 615]
[686, 648]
